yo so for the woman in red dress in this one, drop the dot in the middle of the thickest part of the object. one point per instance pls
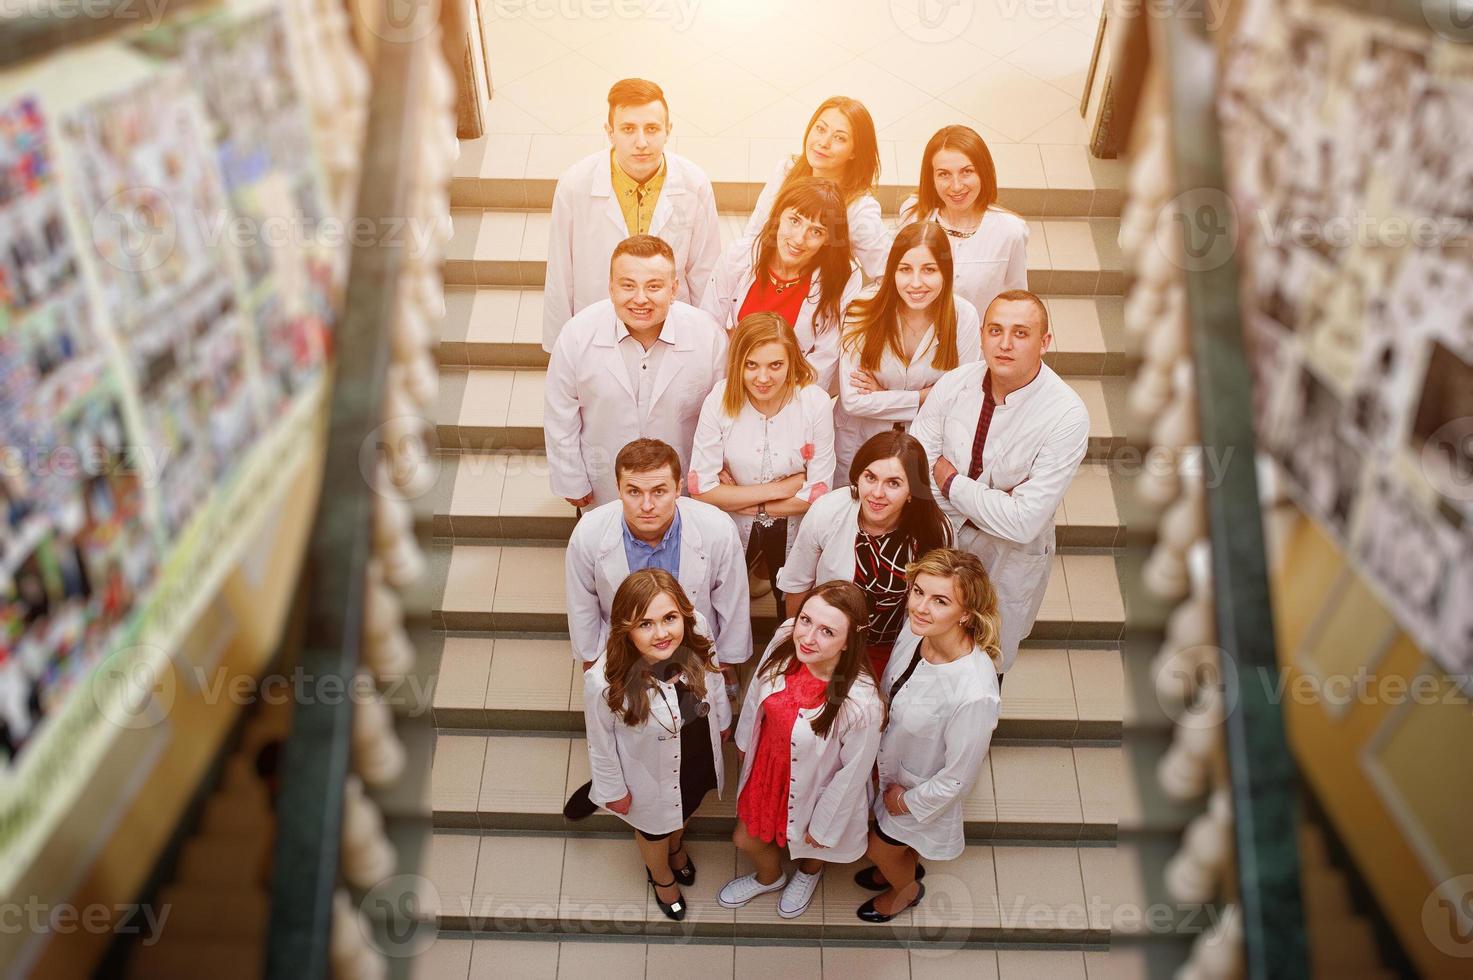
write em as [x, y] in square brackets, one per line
[809, 732]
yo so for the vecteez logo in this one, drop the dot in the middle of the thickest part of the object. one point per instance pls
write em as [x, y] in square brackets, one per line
[933, 21]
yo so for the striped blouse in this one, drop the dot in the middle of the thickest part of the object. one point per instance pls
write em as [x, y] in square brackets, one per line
[879, 569]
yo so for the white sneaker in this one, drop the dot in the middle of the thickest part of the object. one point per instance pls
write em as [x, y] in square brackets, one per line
[739, 891]
[800, 890]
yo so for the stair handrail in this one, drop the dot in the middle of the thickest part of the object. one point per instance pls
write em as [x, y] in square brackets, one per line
[317, 754]
[1261, 769]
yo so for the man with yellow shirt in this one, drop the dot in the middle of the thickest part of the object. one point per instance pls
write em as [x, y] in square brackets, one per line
[635, 188]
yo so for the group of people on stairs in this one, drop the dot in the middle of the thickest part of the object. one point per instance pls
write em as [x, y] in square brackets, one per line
[856, 420]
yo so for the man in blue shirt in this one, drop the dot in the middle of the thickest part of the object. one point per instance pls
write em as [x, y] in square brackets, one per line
[652, 526]
[666, 554]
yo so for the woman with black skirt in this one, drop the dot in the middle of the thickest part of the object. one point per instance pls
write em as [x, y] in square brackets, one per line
[656, 713]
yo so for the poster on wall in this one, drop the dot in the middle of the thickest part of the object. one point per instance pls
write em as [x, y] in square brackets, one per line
[258, 125]
[165, 316]
[1350, 163]
[152, 198]
[77, 551]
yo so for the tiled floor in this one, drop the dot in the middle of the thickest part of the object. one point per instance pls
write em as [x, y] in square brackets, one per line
[755, 69]
[625, 959]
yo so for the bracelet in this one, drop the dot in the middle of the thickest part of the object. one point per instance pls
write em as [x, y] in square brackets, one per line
[946, 487]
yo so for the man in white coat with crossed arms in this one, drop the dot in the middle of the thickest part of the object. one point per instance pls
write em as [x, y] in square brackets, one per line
[637, 364]
[1005, 437]
[635, 188]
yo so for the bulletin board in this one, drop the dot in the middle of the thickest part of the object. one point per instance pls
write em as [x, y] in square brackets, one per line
[1349, 152]
[165, 333]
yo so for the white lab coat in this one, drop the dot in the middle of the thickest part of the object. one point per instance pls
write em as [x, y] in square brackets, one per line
[869, 239]
[992, 261]
[830, 777]
[1006, 516]
[713, 573]
[643, 761]
[818, 342]
[800, 437]
[861, 415]
[940, 729]
[589, 409]
[587, 224]
[823, 551]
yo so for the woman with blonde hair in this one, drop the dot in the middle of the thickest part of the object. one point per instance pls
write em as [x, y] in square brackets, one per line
[656, 713]
[764, 446]
[900, 339]
[809, 731]
[839, 144]
[958, 191]
[944, 700]
[797, 264]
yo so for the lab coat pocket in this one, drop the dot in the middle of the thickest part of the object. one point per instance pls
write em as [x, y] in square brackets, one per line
[676, 233]
[908, 779]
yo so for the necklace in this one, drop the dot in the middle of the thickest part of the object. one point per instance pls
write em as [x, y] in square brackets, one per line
[954, 232]
[781, 285]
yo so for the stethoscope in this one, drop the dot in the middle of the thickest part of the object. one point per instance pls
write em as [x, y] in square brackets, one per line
[702, 710]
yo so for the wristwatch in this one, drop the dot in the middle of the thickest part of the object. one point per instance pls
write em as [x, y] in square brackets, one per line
[763, 517]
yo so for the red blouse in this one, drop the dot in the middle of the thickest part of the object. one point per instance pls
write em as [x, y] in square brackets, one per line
[763, 805]
[764, 297]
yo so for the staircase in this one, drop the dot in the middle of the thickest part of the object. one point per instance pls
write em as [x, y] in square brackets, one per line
[217, 900]
[518, 891]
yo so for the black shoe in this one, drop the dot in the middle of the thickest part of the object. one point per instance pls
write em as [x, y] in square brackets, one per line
[580, 805]
[686, 874]
[866, 878]
[676, 909]
[868, 913]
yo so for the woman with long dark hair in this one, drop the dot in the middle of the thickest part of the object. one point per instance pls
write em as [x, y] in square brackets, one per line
[656, 711]
[900, 339]
[797, 265]
[839, 144]
[868, 536]
[958, 191]
[809, 731]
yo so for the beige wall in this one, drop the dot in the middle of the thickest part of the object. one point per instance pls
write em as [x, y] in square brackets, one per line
[1391, 766]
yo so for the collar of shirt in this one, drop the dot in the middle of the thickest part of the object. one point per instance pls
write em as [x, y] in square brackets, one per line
[626, 188]
[664, 555]
[621, 331]
[1018, 397]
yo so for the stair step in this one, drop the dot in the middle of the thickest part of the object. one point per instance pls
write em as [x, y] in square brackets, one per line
[508, 883]
[484, 409]
[1078, 256]
[1326, 895]
[626, 959]
[223, 859]
[506, 495]
[516, 684]
[214, 913]
[1341, 946]
[187, 960]
[518, 782]
[501, 326]
[506, 171]
[1082, 602]
[239, 811]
